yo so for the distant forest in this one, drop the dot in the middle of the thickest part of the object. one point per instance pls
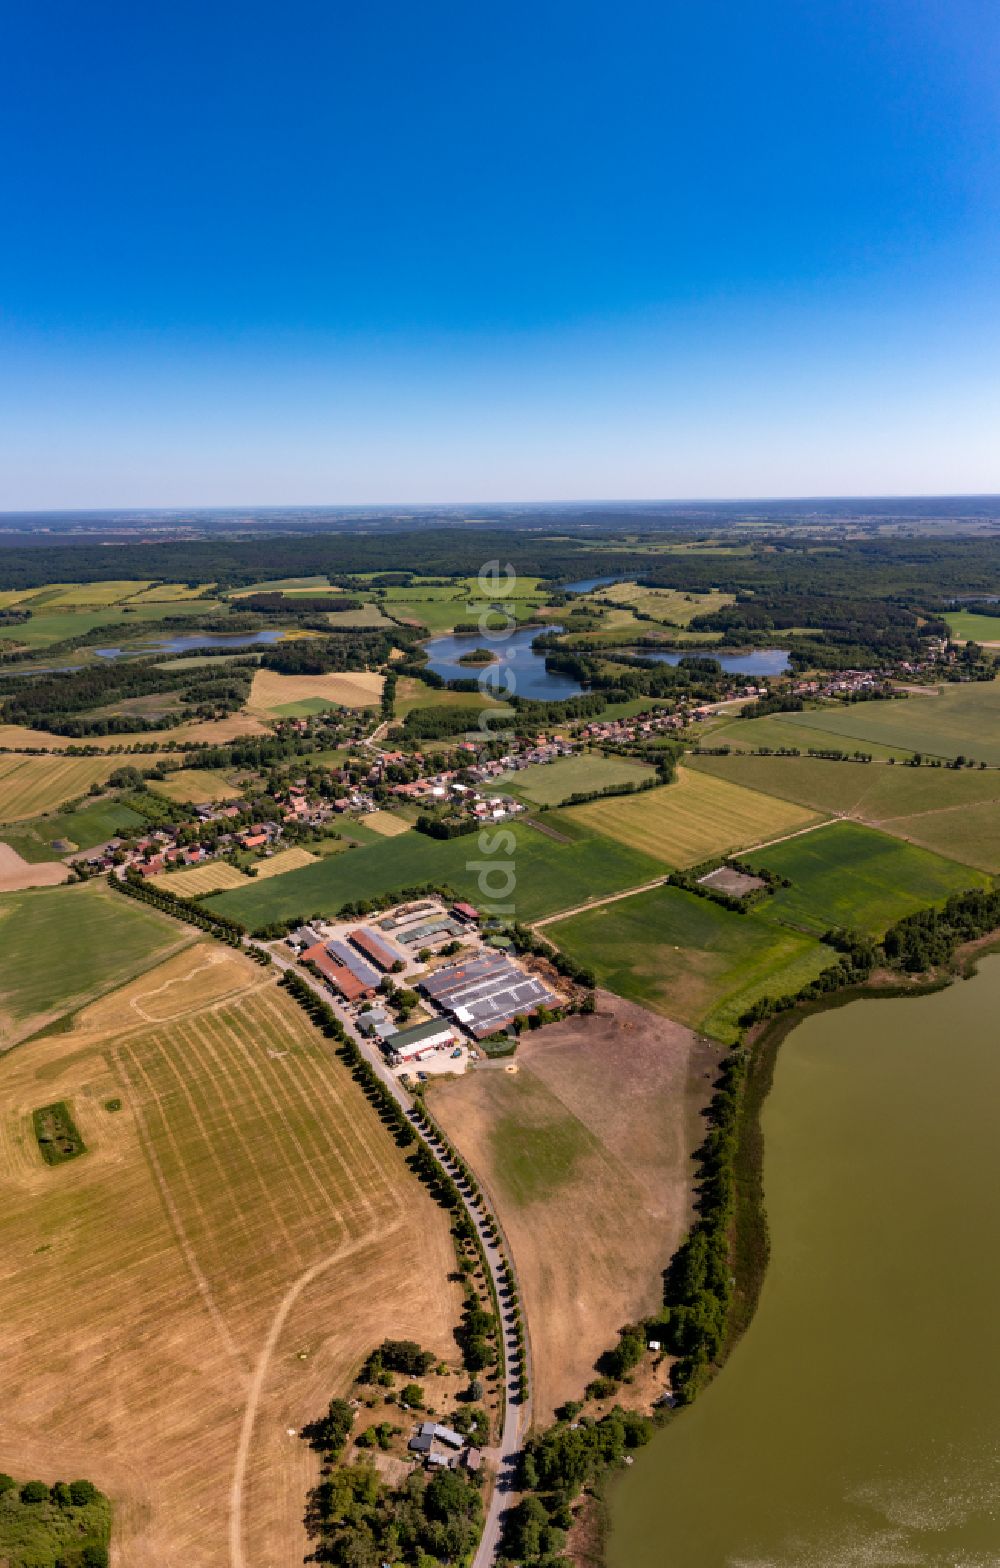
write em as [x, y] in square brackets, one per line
[911, 570]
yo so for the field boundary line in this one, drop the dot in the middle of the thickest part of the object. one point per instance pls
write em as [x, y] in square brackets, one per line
[259, 1376]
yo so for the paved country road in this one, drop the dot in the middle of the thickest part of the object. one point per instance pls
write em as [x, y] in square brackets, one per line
[517, 1411]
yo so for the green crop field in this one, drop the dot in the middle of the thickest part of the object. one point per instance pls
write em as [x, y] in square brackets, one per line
[848, 875]
[959, 719]
[688, 957]
[692, 819]
[548, 874]
[63, 946]
[412, 693]
[127, 620]
[782, 729]
[871, 791]
[84, 829]
[30, 785]
[976, 628]
[549, 783]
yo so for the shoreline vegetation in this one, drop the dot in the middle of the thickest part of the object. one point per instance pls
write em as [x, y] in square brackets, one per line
[713, 1282]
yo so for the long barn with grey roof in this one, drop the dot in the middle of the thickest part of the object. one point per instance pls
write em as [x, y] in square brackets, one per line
[484, 994]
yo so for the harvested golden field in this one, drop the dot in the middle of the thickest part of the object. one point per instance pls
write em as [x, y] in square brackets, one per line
[190, 883]
[170, 593]
[208, 732]
[30, 785]
[351, 689]
[18, 737]
[284, 860]
[385, 823]
[211, 1270]
[195, 784]
[694, 818]
[585, 1151]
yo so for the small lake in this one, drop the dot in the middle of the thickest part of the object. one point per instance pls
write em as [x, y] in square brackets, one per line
[520, 671]
[588, 584]
[756, 661]
[188, 640]
[857, 1425]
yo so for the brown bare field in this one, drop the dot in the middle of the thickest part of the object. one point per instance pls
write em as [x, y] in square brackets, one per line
[213, 878]
[351, 689]
[179, 1300]
[17, 873]
[284, 860]
[586, 1153]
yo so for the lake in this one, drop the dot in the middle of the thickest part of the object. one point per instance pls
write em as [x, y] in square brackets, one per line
[756, 661]
[857, 1425]
[588, 584]
[520, 671]
[188, 640]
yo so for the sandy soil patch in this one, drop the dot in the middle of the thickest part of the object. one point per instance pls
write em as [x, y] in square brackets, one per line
[586, 1151]
[17, 873]
[350, 689]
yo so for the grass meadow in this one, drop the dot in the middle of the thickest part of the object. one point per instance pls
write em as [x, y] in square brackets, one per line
[693, 818]
[82, 830]
[849, 875]
[967, 627]
[688, 957]
[781, 729]
[955, 720]
[238, 1235]
[550, 783]
[871, 791]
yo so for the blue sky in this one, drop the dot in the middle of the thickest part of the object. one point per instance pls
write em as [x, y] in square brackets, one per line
[328, 252]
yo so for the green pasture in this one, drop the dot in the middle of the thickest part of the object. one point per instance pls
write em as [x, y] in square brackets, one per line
[82, 830]
[520, 867]
[960, 719]
[845, 874]
[967, 627]
[550, 783]
[122, 621]
[874, 791]
[783, 729]
[688, 957]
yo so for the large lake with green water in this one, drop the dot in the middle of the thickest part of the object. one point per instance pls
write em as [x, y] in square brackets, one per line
[857, 1425]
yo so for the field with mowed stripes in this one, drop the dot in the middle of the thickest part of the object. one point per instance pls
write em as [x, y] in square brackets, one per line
[213, 878]
[692, 819]
[30, 785]
[184, 1296]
